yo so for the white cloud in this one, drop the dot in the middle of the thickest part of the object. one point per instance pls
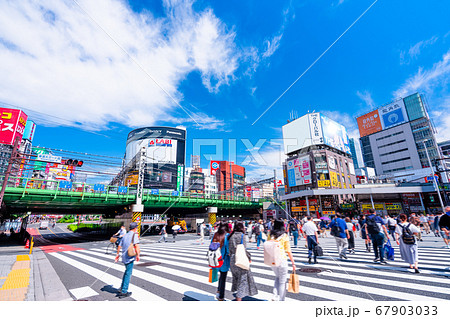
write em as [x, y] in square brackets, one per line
[414, 51]
[366, 97]
[272, 45]
[59, 61]
[273, 159]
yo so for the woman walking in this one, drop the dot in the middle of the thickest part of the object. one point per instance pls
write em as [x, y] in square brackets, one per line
[404, 234]
[351, 240]
[243, 282]
[221, 236]
[281, 272]
[364, 235]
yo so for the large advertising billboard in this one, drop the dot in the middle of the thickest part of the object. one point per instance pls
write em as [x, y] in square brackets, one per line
[30, 128]
[12, 125]
[297, 135]
[315, 127]
[393, 114]
[299, 171]
[335, 135]
[369, 123]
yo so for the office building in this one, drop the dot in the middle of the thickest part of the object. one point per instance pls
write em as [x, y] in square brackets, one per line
[355, 149]
[228, 176]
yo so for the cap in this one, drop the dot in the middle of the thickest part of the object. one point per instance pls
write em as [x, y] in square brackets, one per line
[133, 225]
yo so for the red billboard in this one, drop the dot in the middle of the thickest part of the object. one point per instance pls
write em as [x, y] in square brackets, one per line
[214, 167]
[12, 125]
[369, 123]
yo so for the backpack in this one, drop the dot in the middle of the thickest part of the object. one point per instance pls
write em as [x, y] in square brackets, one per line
[272, 253]
[256, 229]
[292, 227]
[407, 235]
[372, 226]
[335, 230]
[214, 256]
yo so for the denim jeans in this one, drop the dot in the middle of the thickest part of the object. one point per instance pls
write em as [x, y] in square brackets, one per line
[295, 234]
[222, 282]
[259, 239]
[126, 277]
[311, 245]
[377, 242]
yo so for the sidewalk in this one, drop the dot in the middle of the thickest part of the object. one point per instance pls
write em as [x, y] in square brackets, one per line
[25, 277]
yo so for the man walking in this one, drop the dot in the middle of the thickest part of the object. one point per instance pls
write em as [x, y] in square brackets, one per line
[293, 229]
[130, 238]
[341, 235]
[312, 238]
[444, 225]
[377, 230]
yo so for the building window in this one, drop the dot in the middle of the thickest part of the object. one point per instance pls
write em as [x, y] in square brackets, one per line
[397, 160]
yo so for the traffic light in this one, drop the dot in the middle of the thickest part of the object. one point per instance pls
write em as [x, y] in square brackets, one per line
[73, 162]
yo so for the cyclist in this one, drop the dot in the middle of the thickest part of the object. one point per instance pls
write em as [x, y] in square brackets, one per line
[120, 233]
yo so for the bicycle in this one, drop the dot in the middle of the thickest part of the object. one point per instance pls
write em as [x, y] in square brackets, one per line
[112, 246]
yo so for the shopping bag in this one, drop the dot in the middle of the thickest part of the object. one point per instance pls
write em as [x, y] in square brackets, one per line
[242, 260]
[294, 284]
[389, 250]
[213, 275]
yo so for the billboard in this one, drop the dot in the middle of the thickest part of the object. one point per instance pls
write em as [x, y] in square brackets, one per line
[315, 127]
[299, 171]
[30, 128]
[296, 134]
[335, 135]
[393, 114]
[369, 123]
[59, 171]
[12, 125]
[162, 151]
[214, 167]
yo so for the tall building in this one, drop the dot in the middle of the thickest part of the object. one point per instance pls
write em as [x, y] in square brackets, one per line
[355, 149]
[228, 175]
[444, 164]
[393, 136]
[319, 157]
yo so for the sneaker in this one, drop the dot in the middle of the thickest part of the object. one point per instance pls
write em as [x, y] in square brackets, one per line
[417, 271]
[383, 262]
[124, 295]
[309, 260]
[376, 259]
[217, 296]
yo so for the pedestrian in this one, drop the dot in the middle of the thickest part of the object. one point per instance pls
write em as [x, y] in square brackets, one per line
[249, 231]
[293, 229]
[424, 222]
[281, 272]
[243, 282]
[351, 239]
[341, 235]
[377, 230]
[163, 234]
[408, 250]
[323, 228]
[261, 236]
[130, 238]
[391, 225]
[221, 236]
[120, 233]
[202, 233]
[437, 229]
[174, 234]
[312, 238]
[444, 225]
[364, 235]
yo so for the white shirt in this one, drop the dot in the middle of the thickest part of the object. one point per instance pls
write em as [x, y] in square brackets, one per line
[423, 219]
[309, 228]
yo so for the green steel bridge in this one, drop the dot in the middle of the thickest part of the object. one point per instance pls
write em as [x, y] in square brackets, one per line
[37, 195]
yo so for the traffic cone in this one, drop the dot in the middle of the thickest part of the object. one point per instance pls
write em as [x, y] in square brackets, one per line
[27, 245]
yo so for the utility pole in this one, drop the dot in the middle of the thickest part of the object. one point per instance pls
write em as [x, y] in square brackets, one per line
[8, 170]
[137, 209]
[436, 187]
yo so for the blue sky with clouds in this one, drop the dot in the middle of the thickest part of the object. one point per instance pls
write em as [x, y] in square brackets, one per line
[89, 72]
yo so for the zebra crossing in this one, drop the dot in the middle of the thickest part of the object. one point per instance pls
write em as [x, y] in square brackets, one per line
[178, 271]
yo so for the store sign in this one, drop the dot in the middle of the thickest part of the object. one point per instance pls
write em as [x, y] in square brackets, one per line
[323, 183]
[12, 125]
[160, 142]
[393, 114]
[299, 171]
[315, 127]
[132, 179]
[369, 206]
[395, 206]
[369, 123]
[49, 158]
[334, 180]
[30, 128]
[180, 178]
[214, 167]
[347, 206]
[303, 208]
[331, 162]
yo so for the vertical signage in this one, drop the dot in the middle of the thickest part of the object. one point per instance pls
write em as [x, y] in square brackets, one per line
[214, 167]
[315, 127]
[12, 125]
[180, 178]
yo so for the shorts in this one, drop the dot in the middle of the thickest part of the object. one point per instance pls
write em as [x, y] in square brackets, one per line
[444, 235]
[364, 235]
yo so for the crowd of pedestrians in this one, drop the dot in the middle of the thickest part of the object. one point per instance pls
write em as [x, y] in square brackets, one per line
[232, 238]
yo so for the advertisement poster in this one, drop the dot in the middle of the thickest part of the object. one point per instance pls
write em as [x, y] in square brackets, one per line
[59, 172]
[163, 151]
[369, 123]
[334, 179]
[335, 135]
[299, 171]
[12, 125]
[214, 167]
[393, 114]
[28, 133]
[315, 127]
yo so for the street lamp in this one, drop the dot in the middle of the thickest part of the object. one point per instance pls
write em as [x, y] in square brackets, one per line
[436, 187]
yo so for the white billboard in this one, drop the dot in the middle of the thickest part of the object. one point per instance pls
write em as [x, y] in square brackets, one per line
[393, 114]
[315, 127]
[299, 171]
[161, 150]
[296, 135]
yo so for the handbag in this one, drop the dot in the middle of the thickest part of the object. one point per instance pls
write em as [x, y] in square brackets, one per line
[213, 275]
[389, 250]
[242, 260]
[294, 284]
[318, 250]
[264, 236]
[131, 251]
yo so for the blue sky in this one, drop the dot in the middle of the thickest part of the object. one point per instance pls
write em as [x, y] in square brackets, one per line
[88, 72]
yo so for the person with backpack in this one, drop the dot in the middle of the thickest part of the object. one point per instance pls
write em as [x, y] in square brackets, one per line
[310, 230]
[404, 234]
[377, 230]
[351, 240]
[221, 237]
[243, 282]
[275, 254]
[364, 235]
[444, 225]
[391, 224]
[293, 229]
[340, 232]
[259, 233]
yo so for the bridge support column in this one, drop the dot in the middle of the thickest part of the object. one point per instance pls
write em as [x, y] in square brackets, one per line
[137, 211]
[212, 215]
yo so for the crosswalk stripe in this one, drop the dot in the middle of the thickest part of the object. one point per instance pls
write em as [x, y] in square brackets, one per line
[138, 293]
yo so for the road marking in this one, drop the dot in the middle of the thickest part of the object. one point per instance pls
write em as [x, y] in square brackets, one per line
[83, 292]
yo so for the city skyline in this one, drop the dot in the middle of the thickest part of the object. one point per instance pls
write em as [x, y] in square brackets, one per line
[188, 62]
